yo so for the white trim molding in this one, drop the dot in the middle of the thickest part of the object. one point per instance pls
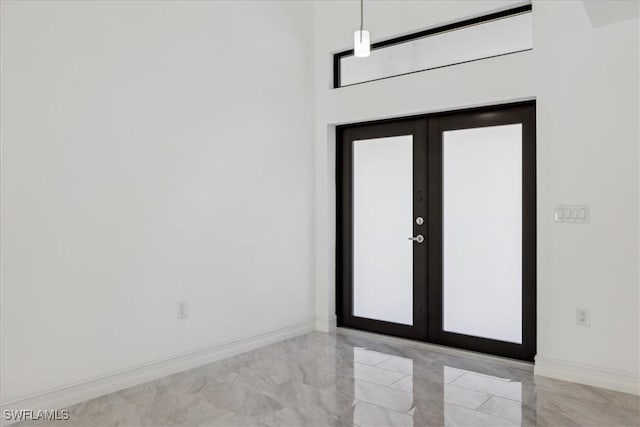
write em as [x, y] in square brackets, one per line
[326, 325]
[627, 382]
[75, 393]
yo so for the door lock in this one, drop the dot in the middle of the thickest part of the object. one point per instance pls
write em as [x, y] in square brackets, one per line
[419, 220]
[419, 238]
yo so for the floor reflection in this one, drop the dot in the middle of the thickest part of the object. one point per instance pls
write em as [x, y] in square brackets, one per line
[384, 385]
[383, 389]
[471, 397]
[352, 379]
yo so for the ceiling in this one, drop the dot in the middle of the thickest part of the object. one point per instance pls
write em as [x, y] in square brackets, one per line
[606, 12]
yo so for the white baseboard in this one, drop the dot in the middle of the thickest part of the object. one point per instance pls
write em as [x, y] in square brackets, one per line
[70, 395]
[626, 382]
[326, 325]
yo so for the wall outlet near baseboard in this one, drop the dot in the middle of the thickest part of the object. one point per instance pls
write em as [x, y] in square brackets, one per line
[182, 310]
[583, 317]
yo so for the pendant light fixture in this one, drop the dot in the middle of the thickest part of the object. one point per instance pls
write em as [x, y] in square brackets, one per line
[361, 43]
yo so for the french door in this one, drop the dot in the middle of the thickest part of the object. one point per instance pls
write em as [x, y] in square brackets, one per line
[436, 228]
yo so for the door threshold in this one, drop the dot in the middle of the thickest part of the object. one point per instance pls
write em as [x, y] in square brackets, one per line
[468, 354]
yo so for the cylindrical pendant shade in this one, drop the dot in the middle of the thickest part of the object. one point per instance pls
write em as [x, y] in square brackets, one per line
[361, 44]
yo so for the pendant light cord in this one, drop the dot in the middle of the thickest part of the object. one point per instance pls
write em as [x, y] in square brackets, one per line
[361, 18]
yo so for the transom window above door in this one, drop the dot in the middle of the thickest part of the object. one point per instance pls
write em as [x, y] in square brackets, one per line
[496, 34]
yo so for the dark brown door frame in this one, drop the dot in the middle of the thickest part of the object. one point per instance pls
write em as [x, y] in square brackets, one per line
[427, 131]
[344, 250]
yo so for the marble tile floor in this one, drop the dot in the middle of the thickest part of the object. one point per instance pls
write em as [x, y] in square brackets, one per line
[352, 379]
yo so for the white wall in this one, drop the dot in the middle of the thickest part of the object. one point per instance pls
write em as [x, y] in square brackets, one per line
[588, 116]
[585, 81]
[152, 152]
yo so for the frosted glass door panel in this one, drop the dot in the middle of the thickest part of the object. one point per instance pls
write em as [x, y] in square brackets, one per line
[382, 218]
[482, 232]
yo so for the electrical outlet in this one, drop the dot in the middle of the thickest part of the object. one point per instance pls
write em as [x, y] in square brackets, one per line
[182, 310]
[583, 317]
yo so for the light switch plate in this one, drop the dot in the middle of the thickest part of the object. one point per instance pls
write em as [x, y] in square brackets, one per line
[574, 214]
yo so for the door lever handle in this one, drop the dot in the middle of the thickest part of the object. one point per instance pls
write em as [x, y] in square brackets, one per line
[419, 238]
